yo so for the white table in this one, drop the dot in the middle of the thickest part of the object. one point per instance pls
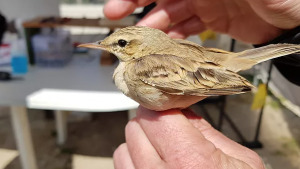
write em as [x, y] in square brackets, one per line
[83, 74]
[78, 100]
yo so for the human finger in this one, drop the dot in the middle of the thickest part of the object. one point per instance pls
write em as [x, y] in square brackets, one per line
[223, 143]
[117, 9]
[166, 13]
[122, 159]
[175, 139]
[188, 27]
[142, 152]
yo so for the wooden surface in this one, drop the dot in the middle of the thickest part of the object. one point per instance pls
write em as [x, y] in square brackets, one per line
[57, 22]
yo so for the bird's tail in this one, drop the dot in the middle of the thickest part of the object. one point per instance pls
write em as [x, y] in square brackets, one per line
[269, 52]
[246, 59]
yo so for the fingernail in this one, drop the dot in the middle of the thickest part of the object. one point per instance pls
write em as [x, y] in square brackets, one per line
[173, 34]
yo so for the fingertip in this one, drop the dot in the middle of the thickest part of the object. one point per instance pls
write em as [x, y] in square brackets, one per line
[130, 127]
[176, 35]
[120, 150]
[121, 157]
[153, 22]
[117, 9]
[142, 24]
[156, 18]
[186, 28]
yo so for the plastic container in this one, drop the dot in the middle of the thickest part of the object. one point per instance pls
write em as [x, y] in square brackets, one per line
[5, 60]
[52, 49]
[5, 56]
[19, 61]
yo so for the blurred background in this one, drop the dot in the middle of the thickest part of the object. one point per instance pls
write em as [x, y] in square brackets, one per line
[59, 108]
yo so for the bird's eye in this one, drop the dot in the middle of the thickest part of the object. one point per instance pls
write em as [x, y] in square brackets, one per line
[122, 43]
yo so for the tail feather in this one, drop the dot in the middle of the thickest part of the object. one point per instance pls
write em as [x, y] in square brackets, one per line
[246, 59]
[269, 52]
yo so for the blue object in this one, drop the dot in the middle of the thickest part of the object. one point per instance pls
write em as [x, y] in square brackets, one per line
[19, 64]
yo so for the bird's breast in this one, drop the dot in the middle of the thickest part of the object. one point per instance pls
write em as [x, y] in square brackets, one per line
[119, 78]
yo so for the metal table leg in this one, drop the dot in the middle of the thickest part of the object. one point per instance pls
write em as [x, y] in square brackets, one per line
[61, 126]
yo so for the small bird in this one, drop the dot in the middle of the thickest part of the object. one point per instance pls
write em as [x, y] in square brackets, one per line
[162, 73]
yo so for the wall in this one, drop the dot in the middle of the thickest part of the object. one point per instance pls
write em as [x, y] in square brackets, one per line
[25, 9]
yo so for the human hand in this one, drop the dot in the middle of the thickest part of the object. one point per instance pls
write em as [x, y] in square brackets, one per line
[172, 139]
[253, 21]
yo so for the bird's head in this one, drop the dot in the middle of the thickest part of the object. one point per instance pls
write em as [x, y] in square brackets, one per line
[133, 42]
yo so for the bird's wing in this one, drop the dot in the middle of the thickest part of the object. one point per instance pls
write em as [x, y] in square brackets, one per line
[242, 60]
[229, 60]
[176, 75]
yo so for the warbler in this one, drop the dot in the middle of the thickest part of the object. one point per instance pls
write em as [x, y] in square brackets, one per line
[162, 73]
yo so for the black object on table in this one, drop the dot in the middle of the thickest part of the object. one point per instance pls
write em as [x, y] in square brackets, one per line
[3, 27]
[5, 76]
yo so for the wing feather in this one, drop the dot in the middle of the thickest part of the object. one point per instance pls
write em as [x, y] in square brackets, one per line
[176, 75]
[229, 60]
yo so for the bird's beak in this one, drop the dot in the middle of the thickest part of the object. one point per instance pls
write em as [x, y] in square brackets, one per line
[95, 45]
